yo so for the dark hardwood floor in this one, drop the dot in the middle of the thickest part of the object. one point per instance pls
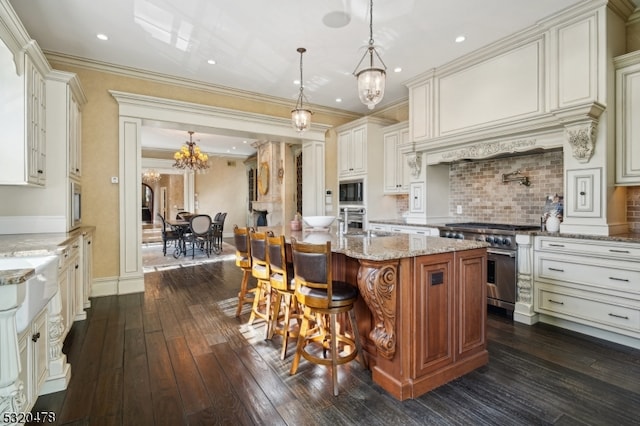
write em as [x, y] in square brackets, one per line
[177, 355]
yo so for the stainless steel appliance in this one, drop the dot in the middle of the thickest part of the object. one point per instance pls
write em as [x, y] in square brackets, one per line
[353, 216]
[501, 259]
[352, 192]
[75, 205]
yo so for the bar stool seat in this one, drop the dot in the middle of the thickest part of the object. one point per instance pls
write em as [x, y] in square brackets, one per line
[324, 300]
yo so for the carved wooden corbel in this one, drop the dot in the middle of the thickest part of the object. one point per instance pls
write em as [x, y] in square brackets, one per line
[582, 139]
[377, 282]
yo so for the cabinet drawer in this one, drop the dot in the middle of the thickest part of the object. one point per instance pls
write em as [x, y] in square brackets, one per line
[609, 275]
[608, 249]
[556, 301]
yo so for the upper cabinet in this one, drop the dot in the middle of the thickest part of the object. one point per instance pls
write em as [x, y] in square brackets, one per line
[627, 124]
[23, 121]
[65, 100]
[396, 169]
[360, 147]
[352, 152]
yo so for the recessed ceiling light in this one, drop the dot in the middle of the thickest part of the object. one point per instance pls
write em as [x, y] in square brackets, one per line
[244, 141]
[338, 99]
[102, 36]
[211, 62]
[397, 69]
[460, 39]
[296, 82]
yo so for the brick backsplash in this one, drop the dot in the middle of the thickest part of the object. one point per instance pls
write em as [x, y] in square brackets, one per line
[633, 208]
[477, 187]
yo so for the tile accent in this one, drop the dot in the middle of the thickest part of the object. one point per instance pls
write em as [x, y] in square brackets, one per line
[633, 208]
[477, 186]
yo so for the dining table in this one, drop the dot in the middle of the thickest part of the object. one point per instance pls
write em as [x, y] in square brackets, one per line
[183, 228]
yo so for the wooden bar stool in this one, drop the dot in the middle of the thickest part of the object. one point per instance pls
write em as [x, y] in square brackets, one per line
[243, 261]
[260, 270]
[282, 283]
[322, 297]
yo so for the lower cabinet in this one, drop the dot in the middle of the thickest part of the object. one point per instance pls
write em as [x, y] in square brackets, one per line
[589, 282]
[71, 285]
[450, 310]
[33, 358]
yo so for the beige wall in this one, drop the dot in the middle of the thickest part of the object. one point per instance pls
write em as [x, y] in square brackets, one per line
[100, 145]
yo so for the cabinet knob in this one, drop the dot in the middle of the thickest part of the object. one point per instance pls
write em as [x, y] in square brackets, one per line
[583, 193]
[40, 172]
[35, 337]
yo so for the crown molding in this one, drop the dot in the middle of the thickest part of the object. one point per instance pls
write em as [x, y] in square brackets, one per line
[94, 65]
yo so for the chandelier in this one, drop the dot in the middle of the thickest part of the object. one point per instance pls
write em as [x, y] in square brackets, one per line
[190, 156]
[150, 176]
[300, 117]
[371, 81]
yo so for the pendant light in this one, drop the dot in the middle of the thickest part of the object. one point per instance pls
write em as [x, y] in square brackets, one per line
[301, 117]
[371, 81]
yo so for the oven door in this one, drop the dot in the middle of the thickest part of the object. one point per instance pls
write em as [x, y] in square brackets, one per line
[501, 278]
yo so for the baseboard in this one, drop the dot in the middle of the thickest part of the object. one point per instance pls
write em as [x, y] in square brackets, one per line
[113, 286]
[57, 383]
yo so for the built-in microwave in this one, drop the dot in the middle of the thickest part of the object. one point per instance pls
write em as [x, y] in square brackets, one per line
[352, 191]
[75, 201]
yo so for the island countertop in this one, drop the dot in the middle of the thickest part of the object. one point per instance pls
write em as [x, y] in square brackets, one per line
[377, 246]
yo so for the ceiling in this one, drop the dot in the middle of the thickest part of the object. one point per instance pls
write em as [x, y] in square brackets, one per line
[254, 42]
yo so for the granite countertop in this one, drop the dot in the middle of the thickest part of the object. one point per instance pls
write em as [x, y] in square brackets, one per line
[628, 237]
[380, 246]
[15, 276]
[18, 245]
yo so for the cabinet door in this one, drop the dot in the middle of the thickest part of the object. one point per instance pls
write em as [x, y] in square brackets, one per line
[627, 125]
[39, 339]
[359, 150]
[403, 171]
[36, 129]
[74, 131]
[433, 309]
[391, 162]
[344, 153]
[472, 293]
[87, 269]
[26, 367]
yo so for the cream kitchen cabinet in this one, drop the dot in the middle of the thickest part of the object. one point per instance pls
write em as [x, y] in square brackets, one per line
[396, 170]
[360, 147]
[23, 120]
[65, 98]
[70, 279]
[627, 124]
[32, 343]
[87, 269]
[352, 152]
[591, 283]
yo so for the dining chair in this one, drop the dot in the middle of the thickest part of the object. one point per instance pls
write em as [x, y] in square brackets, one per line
[200, 234]
[243, 261]
[168, 235]
[323, 298]
[260, 271]
[281, 280]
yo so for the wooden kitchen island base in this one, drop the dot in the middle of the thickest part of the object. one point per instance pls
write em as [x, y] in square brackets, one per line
[422, 309]
[423, 318]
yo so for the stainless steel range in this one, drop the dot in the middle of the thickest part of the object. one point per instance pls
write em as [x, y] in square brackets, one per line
[501, 256]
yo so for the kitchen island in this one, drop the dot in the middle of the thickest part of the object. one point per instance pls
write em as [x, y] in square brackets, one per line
[422, 305]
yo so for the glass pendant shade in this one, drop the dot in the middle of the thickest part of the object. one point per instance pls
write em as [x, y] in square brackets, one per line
[371, 83]
[301, 119]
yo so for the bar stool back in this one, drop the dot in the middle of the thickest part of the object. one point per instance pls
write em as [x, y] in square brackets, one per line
[260, 270]
[281, 280]
[322, 297]
[243, 261]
